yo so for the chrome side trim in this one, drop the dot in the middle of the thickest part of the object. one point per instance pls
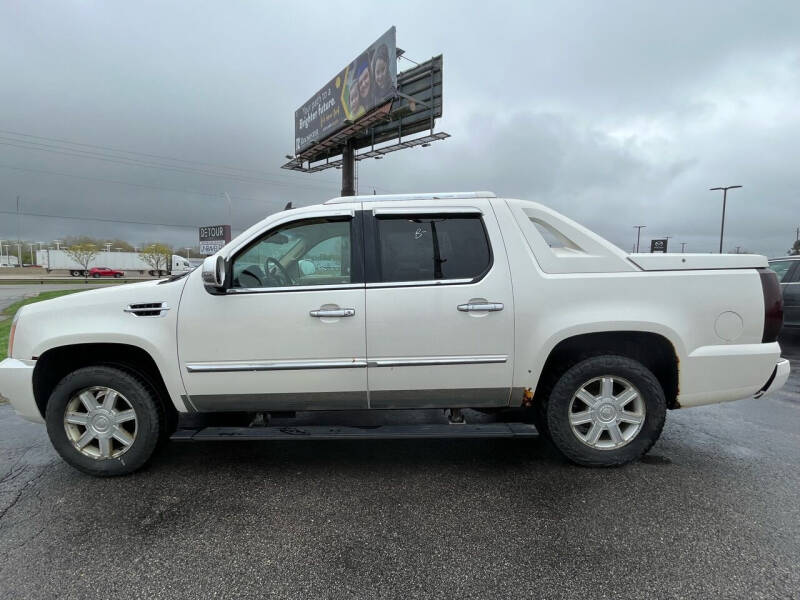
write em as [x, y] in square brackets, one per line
[278, 365]
[432, 210]
[418, 283]
[422, 361]
[296, 288]
[355, 363]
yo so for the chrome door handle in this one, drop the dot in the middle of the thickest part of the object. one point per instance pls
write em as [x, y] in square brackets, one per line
[478, 306]
[333, 312]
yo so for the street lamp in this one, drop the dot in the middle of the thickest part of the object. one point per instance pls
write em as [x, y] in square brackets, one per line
[187, 253]
[638, 229]
[724, 201]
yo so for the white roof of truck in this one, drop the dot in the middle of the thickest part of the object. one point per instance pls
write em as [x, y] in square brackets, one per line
[422, 196]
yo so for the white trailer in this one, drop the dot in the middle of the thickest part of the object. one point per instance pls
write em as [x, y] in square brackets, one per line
[131, 262]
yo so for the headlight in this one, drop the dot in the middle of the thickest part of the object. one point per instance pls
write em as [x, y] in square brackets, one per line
[11, 335]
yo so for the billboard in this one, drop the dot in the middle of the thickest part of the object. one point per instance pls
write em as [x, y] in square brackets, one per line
[659, 245]
[367, 82]
[213, 237]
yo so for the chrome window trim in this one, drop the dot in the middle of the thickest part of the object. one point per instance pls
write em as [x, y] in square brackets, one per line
[430, 282]
[422, 361]
[434, 210]
[278, 365]
[295, 288]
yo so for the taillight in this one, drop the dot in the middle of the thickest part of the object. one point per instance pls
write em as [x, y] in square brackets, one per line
[773, 305]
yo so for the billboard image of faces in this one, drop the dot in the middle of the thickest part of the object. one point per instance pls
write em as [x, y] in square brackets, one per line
[366, 83]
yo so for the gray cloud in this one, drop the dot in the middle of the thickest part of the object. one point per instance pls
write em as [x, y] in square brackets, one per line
[616, 113]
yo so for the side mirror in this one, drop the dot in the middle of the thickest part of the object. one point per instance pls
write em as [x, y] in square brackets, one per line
[306, 267]
[214, 273]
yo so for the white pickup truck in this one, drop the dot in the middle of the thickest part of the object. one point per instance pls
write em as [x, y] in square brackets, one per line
[448, 301]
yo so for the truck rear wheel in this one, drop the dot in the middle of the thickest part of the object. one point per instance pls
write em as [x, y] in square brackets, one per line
[104, 421]
[605, 411]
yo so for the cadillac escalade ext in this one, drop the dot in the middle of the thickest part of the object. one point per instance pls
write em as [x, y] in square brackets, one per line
[428, 301]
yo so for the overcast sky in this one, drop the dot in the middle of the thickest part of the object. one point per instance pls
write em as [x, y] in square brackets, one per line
[615, 113]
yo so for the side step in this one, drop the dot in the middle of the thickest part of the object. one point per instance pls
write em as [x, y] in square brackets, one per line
[383, 432]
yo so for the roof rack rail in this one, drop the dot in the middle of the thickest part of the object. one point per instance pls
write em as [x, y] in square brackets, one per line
[423, 196]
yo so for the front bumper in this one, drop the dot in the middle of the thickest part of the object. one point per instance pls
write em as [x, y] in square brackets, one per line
[16, 386]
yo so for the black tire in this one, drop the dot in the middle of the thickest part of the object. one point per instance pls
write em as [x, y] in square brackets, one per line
[117, 275]
[74, 273]
[95, 275]
[150, 423]
[558, 406]
[539, 414]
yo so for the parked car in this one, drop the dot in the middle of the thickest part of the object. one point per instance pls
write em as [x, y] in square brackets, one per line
[788, 271]
[449, 301]
[105, 272]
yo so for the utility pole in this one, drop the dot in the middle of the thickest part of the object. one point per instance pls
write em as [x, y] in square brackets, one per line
[348, 169]
[724, 201]
[58, 244]
[683, 247]
[638, 229]
[18, 221]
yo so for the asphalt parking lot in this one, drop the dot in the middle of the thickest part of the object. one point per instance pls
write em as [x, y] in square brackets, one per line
[712, 511]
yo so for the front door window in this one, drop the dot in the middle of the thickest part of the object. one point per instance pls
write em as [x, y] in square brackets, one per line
[301, 253]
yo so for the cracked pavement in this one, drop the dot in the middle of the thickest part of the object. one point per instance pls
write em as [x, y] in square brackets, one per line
[712, 511]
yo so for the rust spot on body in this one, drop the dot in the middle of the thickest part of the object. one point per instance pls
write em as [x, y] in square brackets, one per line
[527, 397]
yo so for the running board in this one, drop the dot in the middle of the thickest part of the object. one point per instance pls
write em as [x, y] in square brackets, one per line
[382, 432]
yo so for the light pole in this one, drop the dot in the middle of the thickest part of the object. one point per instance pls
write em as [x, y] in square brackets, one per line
[58, 244]
[187, 253]
[683, 247]
[724, 201]
[638, 229]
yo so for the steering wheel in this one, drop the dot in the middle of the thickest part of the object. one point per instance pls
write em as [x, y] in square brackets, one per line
[284, 274]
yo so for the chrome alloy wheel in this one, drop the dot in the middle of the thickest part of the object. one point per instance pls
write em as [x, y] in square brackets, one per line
[100, 423]
[606, 412]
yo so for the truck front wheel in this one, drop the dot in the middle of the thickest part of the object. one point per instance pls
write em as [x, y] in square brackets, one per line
[104, 421]
[605, 411]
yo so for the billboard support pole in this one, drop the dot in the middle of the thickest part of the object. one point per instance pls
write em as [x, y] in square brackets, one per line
[348, 169]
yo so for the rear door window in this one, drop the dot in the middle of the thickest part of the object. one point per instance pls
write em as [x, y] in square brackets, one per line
[432, 247]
